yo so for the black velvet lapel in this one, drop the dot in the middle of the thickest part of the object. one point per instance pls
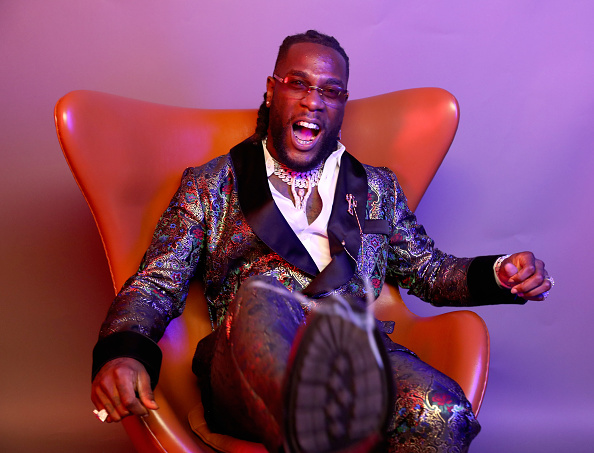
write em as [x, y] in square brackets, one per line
[344, 232]
[259, 208]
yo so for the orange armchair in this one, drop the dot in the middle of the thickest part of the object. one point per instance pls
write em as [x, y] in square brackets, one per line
[127, 157]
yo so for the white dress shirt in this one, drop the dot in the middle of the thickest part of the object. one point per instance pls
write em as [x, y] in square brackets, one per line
[314, 236]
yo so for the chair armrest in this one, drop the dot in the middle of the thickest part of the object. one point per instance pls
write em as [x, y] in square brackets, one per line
[455, 343]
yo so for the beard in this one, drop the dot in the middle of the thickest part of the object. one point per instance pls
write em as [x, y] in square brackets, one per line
[280, 136]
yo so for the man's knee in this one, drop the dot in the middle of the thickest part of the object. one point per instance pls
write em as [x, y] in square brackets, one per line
[430, 409]
[261, 283]
[263, 301]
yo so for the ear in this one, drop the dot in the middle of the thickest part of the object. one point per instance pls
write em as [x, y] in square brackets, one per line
[270, 83]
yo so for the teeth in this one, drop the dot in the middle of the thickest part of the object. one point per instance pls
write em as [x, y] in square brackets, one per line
[312, 126]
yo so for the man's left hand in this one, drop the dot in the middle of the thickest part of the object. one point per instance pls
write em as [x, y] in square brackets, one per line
[526, 276]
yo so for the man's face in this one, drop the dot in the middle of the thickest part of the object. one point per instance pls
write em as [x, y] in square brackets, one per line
[303, 132]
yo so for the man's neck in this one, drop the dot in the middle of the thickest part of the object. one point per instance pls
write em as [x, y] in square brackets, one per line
[313, 205]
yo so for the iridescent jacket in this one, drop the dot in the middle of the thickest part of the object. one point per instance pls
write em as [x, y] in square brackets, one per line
[222, 226]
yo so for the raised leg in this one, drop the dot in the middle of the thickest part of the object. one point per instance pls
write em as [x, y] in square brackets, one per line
[248, 358]
[242, 368]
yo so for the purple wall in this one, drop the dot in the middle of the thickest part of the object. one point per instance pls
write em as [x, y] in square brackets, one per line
[518, 176]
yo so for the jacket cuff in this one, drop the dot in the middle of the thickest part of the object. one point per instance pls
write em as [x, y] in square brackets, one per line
[129, 344]
[483, 287]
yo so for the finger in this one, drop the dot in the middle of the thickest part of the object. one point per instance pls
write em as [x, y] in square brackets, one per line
[145, 391]
[129, 403]
[520, 261]
[99, 406]
[524, 273]
[506, 273]
[528, 286]
[509, 270]
[117, 386]
[103, 401]
[537, 293]
[529, 278]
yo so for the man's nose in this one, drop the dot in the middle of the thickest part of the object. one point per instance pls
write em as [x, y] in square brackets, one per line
[313, 99]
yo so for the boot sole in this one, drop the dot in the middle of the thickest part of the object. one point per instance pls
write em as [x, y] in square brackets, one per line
[337, 390]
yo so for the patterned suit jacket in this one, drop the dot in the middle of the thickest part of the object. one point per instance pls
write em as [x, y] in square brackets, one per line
[222, 226]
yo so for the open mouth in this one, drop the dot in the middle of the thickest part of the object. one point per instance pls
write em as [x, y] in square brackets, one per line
[305, 133]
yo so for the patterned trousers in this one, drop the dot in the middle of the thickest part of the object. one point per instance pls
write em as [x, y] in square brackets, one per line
[241, 368]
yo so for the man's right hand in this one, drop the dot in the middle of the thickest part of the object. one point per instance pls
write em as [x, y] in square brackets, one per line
[116, 386]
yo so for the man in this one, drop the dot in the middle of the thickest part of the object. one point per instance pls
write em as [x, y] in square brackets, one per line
[287, 214]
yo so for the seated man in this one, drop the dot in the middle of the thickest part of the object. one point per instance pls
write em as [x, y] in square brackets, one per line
[291, 235]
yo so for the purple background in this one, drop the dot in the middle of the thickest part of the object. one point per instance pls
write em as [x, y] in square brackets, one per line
[520, 175]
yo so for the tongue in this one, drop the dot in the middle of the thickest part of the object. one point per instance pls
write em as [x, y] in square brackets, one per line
[303, 133]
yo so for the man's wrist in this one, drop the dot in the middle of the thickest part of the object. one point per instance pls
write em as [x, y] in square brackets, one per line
[483, 286]
[496, 268]
[128, 344]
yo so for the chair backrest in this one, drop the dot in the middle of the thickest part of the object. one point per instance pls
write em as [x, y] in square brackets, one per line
[127, 157]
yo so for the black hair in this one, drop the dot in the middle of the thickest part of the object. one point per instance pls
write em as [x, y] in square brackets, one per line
[314, 37]
[310, 36]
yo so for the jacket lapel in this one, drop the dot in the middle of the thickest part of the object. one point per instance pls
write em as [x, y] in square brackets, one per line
[259, 209]
[344, 231]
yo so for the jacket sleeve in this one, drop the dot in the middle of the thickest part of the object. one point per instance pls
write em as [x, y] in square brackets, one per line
[414, 263]
[157, 292]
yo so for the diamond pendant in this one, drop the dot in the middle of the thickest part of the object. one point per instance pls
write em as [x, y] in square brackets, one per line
[300, 201]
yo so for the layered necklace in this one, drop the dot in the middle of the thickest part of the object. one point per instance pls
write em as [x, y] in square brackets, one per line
[300, 182]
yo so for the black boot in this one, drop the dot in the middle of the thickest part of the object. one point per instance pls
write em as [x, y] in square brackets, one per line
[338, 390]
